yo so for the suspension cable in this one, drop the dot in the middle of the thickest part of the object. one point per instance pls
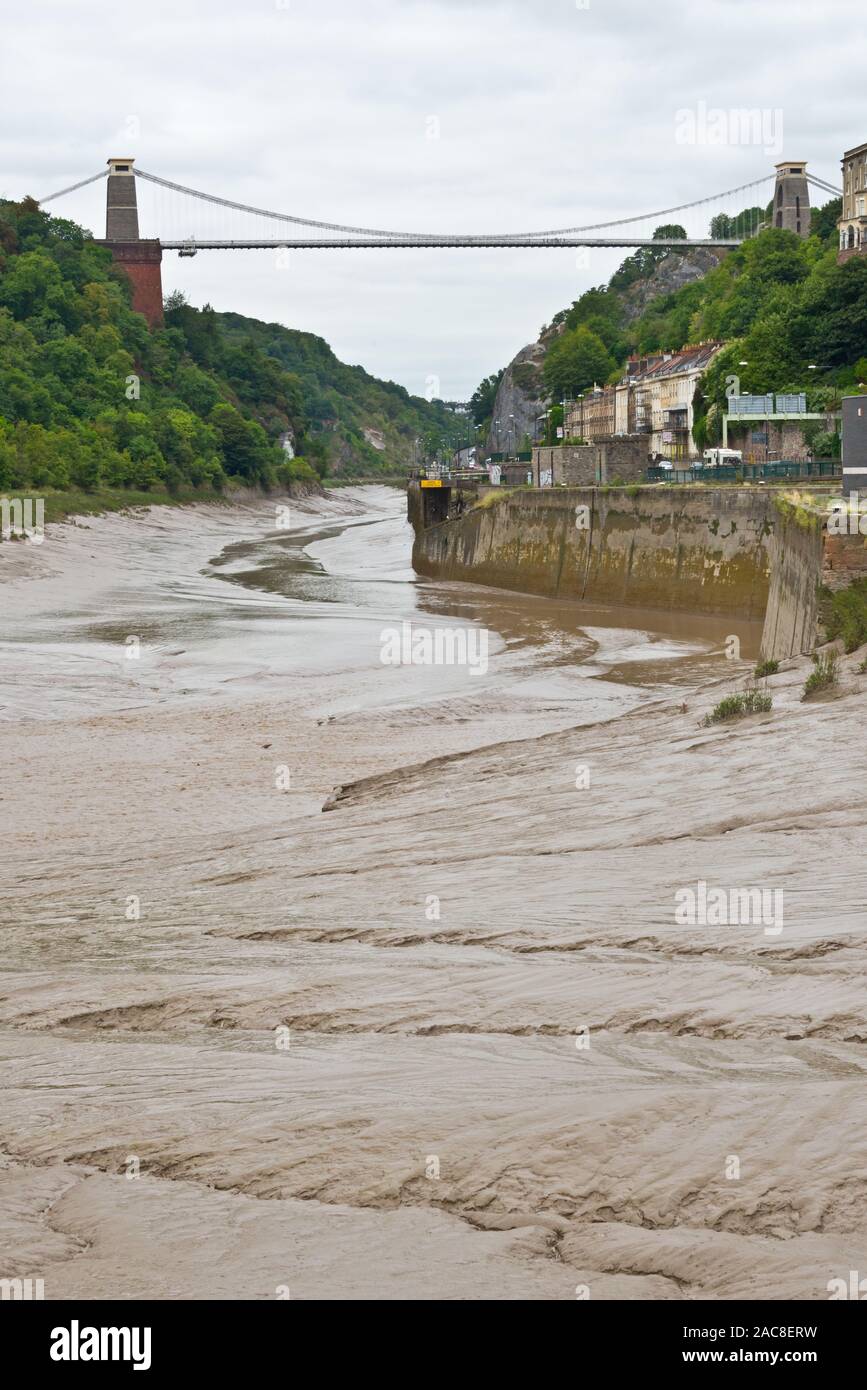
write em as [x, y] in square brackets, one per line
[409, 236]
[826, 187]
[103, 174]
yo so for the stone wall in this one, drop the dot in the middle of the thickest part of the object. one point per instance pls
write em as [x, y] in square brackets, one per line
[621, 457]
[785, 439]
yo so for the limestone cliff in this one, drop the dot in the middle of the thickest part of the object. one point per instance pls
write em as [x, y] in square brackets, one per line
[520, 395]
[671, 274]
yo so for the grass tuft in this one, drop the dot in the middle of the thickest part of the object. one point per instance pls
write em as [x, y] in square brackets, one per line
[751, 701]
[825, 673]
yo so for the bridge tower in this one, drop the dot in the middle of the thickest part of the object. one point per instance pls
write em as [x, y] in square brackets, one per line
[139, 257]
[792, 198]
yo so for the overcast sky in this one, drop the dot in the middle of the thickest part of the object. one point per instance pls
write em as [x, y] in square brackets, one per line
[482, 116]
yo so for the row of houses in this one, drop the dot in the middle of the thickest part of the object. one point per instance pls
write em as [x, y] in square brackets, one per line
[654, 399]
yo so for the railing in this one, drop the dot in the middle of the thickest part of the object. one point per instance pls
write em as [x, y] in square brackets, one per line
[747, 472]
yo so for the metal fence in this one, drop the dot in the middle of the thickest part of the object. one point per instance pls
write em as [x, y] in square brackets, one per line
[748, 472]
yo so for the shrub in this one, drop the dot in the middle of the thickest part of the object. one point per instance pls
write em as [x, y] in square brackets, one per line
[766, 668]
[752, 701]
[844, 614]
[825, 673]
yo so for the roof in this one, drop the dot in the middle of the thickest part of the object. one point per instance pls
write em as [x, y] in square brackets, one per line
[693, 358]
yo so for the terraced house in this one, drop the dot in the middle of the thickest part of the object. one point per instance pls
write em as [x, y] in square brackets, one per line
[654, 399]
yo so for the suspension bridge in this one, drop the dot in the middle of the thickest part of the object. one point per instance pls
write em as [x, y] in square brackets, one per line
[189, 221]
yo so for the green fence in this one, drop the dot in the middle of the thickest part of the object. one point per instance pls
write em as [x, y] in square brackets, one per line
[748, 472]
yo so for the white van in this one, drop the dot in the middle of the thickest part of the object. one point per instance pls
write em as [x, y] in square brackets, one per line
[712, 458]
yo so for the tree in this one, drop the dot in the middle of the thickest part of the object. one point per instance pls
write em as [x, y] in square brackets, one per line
[482, 399]
[575, 361]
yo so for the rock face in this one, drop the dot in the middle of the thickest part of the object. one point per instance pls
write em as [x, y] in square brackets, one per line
[519, 395]
[671, 274]
[521, 392]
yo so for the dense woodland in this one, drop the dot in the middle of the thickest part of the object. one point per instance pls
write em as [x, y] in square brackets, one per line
[91, 399]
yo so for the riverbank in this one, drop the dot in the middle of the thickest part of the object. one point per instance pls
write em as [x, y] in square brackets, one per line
[447, 1040]
[68, 503]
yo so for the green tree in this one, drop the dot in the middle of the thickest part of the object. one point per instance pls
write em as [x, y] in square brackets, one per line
[482, 399]
[575, 361]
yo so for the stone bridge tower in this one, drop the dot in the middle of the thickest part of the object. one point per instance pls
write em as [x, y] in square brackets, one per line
[792, 198]
[140, 258]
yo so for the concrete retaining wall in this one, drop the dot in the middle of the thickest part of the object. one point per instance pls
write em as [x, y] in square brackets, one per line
[689, 549]
[739, 551]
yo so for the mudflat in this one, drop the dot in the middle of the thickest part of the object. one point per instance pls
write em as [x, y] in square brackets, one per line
[453, 1036]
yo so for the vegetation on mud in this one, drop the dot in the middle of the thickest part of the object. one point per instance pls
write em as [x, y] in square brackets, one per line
[751, 701]
[843, 614]
[825, 673]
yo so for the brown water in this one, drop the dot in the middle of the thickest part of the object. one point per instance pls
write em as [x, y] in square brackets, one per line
[445, 1040]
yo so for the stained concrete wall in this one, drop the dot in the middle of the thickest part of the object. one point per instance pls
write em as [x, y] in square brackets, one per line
[747, 552]
[795, 549]
[690, 549]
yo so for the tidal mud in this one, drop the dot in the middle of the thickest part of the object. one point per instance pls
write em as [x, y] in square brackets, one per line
[445, 1039]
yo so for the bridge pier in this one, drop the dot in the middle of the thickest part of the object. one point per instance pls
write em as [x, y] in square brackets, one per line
[140, 258]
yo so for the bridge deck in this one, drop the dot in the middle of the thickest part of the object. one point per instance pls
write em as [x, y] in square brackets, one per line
[420, 243]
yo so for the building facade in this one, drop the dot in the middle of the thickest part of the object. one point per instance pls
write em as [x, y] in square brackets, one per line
[852, 225]
[655, 399]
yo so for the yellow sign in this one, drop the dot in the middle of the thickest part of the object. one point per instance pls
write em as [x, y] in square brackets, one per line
[431, 482]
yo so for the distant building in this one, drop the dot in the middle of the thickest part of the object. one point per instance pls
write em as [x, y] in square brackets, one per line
[852, 225]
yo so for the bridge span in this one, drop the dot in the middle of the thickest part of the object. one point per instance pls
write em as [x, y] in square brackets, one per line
[785, 203]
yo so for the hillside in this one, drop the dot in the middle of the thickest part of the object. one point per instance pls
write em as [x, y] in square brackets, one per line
[92, 401]
[783, 305]
[366, 425]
